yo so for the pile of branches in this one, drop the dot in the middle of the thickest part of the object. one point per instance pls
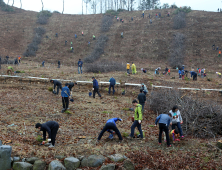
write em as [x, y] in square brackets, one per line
[107, 22]
[179, 21]
[98, 49]
[33, 46]
[177, 53]
[104, 66]
[201, 118]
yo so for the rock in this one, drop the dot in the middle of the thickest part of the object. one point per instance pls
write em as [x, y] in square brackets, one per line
[59, 157]
[93, 161]
[71, 163]
[16, 159]
[5, 156]
[22, 166]
[108, 167]
[128, 165]
[23, 160]
[32, 160]
[80, 157]
[56, 165]
[39, 165]
[116, 157]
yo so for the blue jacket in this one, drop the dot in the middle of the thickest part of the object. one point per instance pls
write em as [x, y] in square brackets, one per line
[113, 120]
[112, 81]
[75, 36]
[179, 71]
[65, 92]
[95, 84]
[182, 72]
[193, 73]
[80, 63]
[163, 118]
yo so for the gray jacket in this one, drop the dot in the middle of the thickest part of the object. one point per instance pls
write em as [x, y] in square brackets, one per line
[178, 117]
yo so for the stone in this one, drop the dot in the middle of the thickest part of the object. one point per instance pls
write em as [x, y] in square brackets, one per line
[32, 160]
[116, 157]
[56, 165]
[16, 159]
[5, 156]
[108, 167]
[59, 157]
[22, 166]
[93, 161]
[39, 165]
[128, 165]
[71, 163]
[80, 157]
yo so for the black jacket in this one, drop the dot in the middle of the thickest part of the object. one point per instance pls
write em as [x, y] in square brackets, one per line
[71, 85]
[57, 83]
[48, 126]
[142, 98]
[58, 62]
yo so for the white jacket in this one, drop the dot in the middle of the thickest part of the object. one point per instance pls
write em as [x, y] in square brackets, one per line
[175, 120]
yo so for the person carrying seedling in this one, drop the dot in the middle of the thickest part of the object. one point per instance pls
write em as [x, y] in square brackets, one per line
[96, 88]
[109, 126]
[65, 93]
[144, 88]
[80, 63]
[112, 84]
[128, 68]
[58, 84]
[133, 68]
[52, 128]
[174, 135]
[137, 120]
[164, 122]
[19, 59]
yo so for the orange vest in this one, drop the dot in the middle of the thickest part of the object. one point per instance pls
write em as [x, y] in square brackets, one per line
[219, 52]
[169, 70]
[19, 58]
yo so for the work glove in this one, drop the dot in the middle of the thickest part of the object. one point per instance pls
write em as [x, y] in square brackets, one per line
[92, 88]
[139, 121]
[49, 140]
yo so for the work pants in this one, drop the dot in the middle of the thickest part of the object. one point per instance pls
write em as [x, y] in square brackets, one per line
[142, 104]
[111, 86]
[136, 124]
[79, 69]
[164, 127]
[195, 77]
[65, 102]
[54, 131]
[179, 128]
[58, 87]
[111, 126]
[96, 90]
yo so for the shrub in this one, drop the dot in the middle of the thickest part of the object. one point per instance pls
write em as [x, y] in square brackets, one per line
[112, 12]
[50, 89]
[42, 20]
[185, 9]
[5, 7]
[107, 22]
[57, 12]
[39, 138]
[179, 21]
[45, 13]
[121, 10]
[40, 31]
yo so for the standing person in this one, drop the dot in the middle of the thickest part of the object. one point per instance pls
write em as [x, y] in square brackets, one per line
[219, 53]
[96, 88]
[75, 36]
[151, 21]
[176, 119]
[43, 63]
[144, 88]
[194, 75]
[180, 74]
[65, 42]
[58, 84]
[132, 19]
[19, 59]
[94, 37]
[112, 84]
[121, 34]
[88, 43]
[156, 15]
[166, 70]
[52, 128]
[137, 120]
[71, 43]
[58, 64]
[142, 99]
[164, 122]
[157, 71]
[169, 72]
[128, 68]
[202, 73]
[80, 63]
[82, 33]
[149, 15]
[133, 68]
[213, 46]
[65, 93]
[72, 49]
[109, 126]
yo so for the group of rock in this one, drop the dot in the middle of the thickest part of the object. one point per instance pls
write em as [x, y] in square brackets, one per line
[72, 163]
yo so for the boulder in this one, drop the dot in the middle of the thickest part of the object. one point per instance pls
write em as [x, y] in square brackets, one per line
[22, 166]
[127, 164]
[71, 163]
[108, 167]
[39, 165]
[5, 156]
[56, 165]
[116, 157]
[80, 157]
[16, 159]
[32, 160]
[59, 157]
[93, 161]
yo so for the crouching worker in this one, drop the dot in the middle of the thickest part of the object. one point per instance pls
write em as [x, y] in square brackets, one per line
[111, 125]
[164, 122]
[174, 135]
[51, 127]
[58, 84]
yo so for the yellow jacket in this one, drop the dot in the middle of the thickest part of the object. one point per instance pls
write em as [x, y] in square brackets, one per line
[127, 66]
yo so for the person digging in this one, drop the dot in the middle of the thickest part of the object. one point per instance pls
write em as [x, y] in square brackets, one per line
[58, 84]
[51, 127]
[65, 93]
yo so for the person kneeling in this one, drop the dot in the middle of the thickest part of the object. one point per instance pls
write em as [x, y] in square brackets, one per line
[111, 125]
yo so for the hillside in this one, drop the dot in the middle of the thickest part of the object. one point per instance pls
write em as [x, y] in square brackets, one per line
[145, 44]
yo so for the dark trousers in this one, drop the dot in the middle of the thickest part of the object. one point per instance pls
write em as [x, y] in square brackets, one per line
[179, 128]
[111, 86]
[96, 90]
[136, 124]
[58, 87]
[164, 127]
[195, 77]
[142, 104]
[110, 126]
[58, 65]
[54, 131]
[127, 71]
[65, 102]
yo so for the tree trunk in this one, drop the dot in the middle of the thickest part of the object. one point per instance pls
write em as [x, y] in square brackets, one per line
[21, 3]
[105, 6]
[86, 7]
[13, 3]
[42, 5]
[101, 6]
[82, 7]
[63, 7]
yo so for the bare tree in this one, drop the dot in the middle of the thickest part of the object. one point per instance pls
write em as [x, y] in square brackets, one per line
[93, 6]
[86, 1]
[82, 7]
[101, 6]
[21, 3]
[63, 7]
[42, 5]
[13, 2]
